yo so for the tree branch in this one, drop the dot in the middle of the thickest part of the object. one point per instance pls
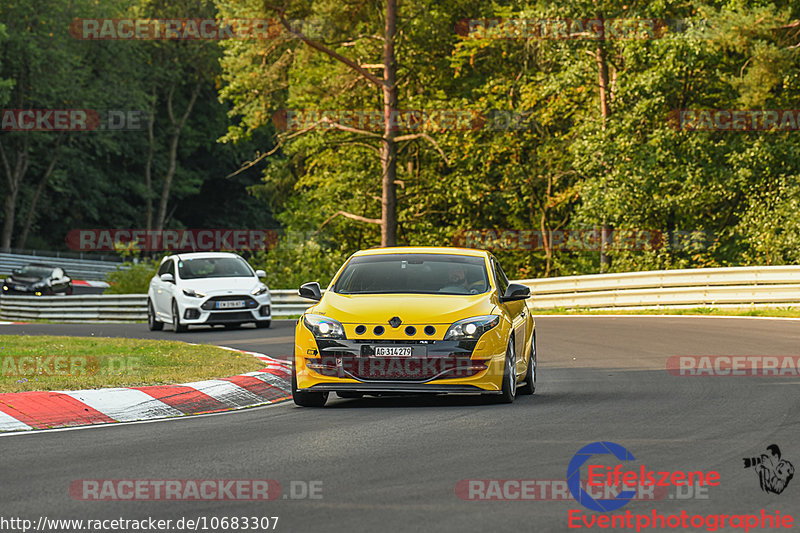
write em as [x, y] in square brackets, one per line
[170, 112]
[190, 105]
[324, 49]
[38, 192]
[358, 143]
[350, 216]
[425, 136]
[351, 129]
[281, 140]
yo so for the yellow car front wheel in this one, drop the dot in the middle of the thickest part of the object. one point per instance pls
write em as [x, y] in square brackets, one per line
[306, 398]
[509, 388]
[530, 374]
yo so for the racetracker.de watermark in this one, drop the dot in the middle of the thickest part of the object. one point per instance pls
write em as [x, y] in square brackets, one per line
[186, 240]
[580, 239]
[193, 490]
[72, 120]
[734, 365]
[397, 367]
[193, 28]
[735, 119]
[593, 29]
[431, 120]
[67, 365]
[555, 490]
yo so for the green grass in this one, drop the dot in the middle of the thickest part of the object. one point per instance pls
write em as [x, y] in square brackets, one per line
[29, 363]
[788, 312]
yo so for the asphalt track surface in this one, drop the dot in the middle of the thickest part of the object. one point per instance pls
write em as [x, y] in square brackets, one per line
[392, 464]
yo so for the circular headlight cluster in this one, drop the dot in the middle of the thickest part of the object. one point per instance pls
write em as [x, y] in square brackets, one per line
[323, 327]
[471, 328]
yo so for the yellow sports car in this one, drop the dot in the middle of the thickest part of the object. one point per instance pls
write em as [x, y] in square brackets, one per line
[415, 320]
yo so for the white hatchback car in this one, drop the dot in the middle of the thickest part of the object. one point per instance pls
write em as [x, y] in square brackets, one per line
[207, 288]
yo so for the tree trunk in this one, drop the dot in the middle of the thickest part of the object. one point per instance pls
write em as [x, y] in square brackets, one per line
[14, 178]
[546, 241]
[26, 228]
[602, 68]
[177, 127]
[9, 208]
[389, 146]
[167, 184]
[148, 164]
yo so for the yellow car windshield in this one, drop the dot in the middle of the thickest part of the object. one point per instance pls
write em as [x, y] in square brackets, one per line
[413, 273]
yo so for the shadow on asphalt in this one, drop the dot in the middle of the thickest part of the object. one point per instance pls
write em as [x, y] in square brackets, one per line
[436, 401]
[207, 329]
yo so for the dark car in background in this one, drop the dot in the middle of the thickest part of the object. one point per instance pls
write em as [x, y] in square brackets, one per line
[38, 280]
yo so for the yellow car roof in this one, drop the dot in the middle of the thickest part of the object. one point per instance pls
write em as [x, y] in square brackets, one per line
[423, 250]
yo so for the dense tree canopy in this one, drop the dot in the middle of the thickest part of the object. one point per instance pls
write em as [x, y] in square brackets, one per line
[519, 129]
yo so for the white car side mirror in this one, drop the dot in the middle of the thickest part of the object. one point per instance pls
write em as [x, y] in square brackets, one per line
[261, 274]
[169, 278]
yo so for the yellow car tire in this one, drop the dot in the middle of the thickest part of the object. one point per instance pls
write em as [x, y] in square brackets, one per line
[530, 373]
[509, 388]
[305, 398]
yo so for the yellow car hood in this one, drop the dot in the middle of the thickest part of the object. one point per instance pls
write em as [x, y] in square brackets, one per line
[411, 308]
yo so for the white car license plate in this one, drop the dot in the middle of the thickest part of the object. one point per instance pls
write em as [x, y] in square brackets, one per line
[231, 304]
[393, 351]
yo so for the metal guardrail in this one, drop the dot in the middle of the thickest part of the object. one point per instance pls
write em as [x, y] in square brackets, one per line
[113, 307]
[110, 257]
[88, 269]
[705, 287]
[286, 302]
[712, 287]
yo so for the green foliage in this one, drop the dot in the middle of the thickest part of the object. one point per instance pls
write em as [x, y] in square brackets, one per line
[98, 180]
[564, 167]
[5, 84]
[297, 260]
[134, 279]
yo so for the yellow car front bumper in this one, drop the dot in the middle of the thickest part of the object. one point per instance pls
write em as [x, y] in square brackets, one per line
[436, 366]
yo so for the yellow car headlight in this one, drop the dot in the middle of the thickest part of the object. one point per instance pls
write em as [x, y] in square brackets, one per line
[323, 327]
[471, 328]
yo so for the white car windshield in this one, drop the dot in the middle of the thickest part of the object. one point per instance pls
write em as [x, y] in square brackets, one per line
[214, 267]
[413, 273]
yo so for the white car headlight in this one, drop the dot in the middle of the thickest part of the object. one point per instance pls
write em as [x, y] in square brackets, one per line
[260, 289]
[323, 327]
[471, 328]
[193, 293]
